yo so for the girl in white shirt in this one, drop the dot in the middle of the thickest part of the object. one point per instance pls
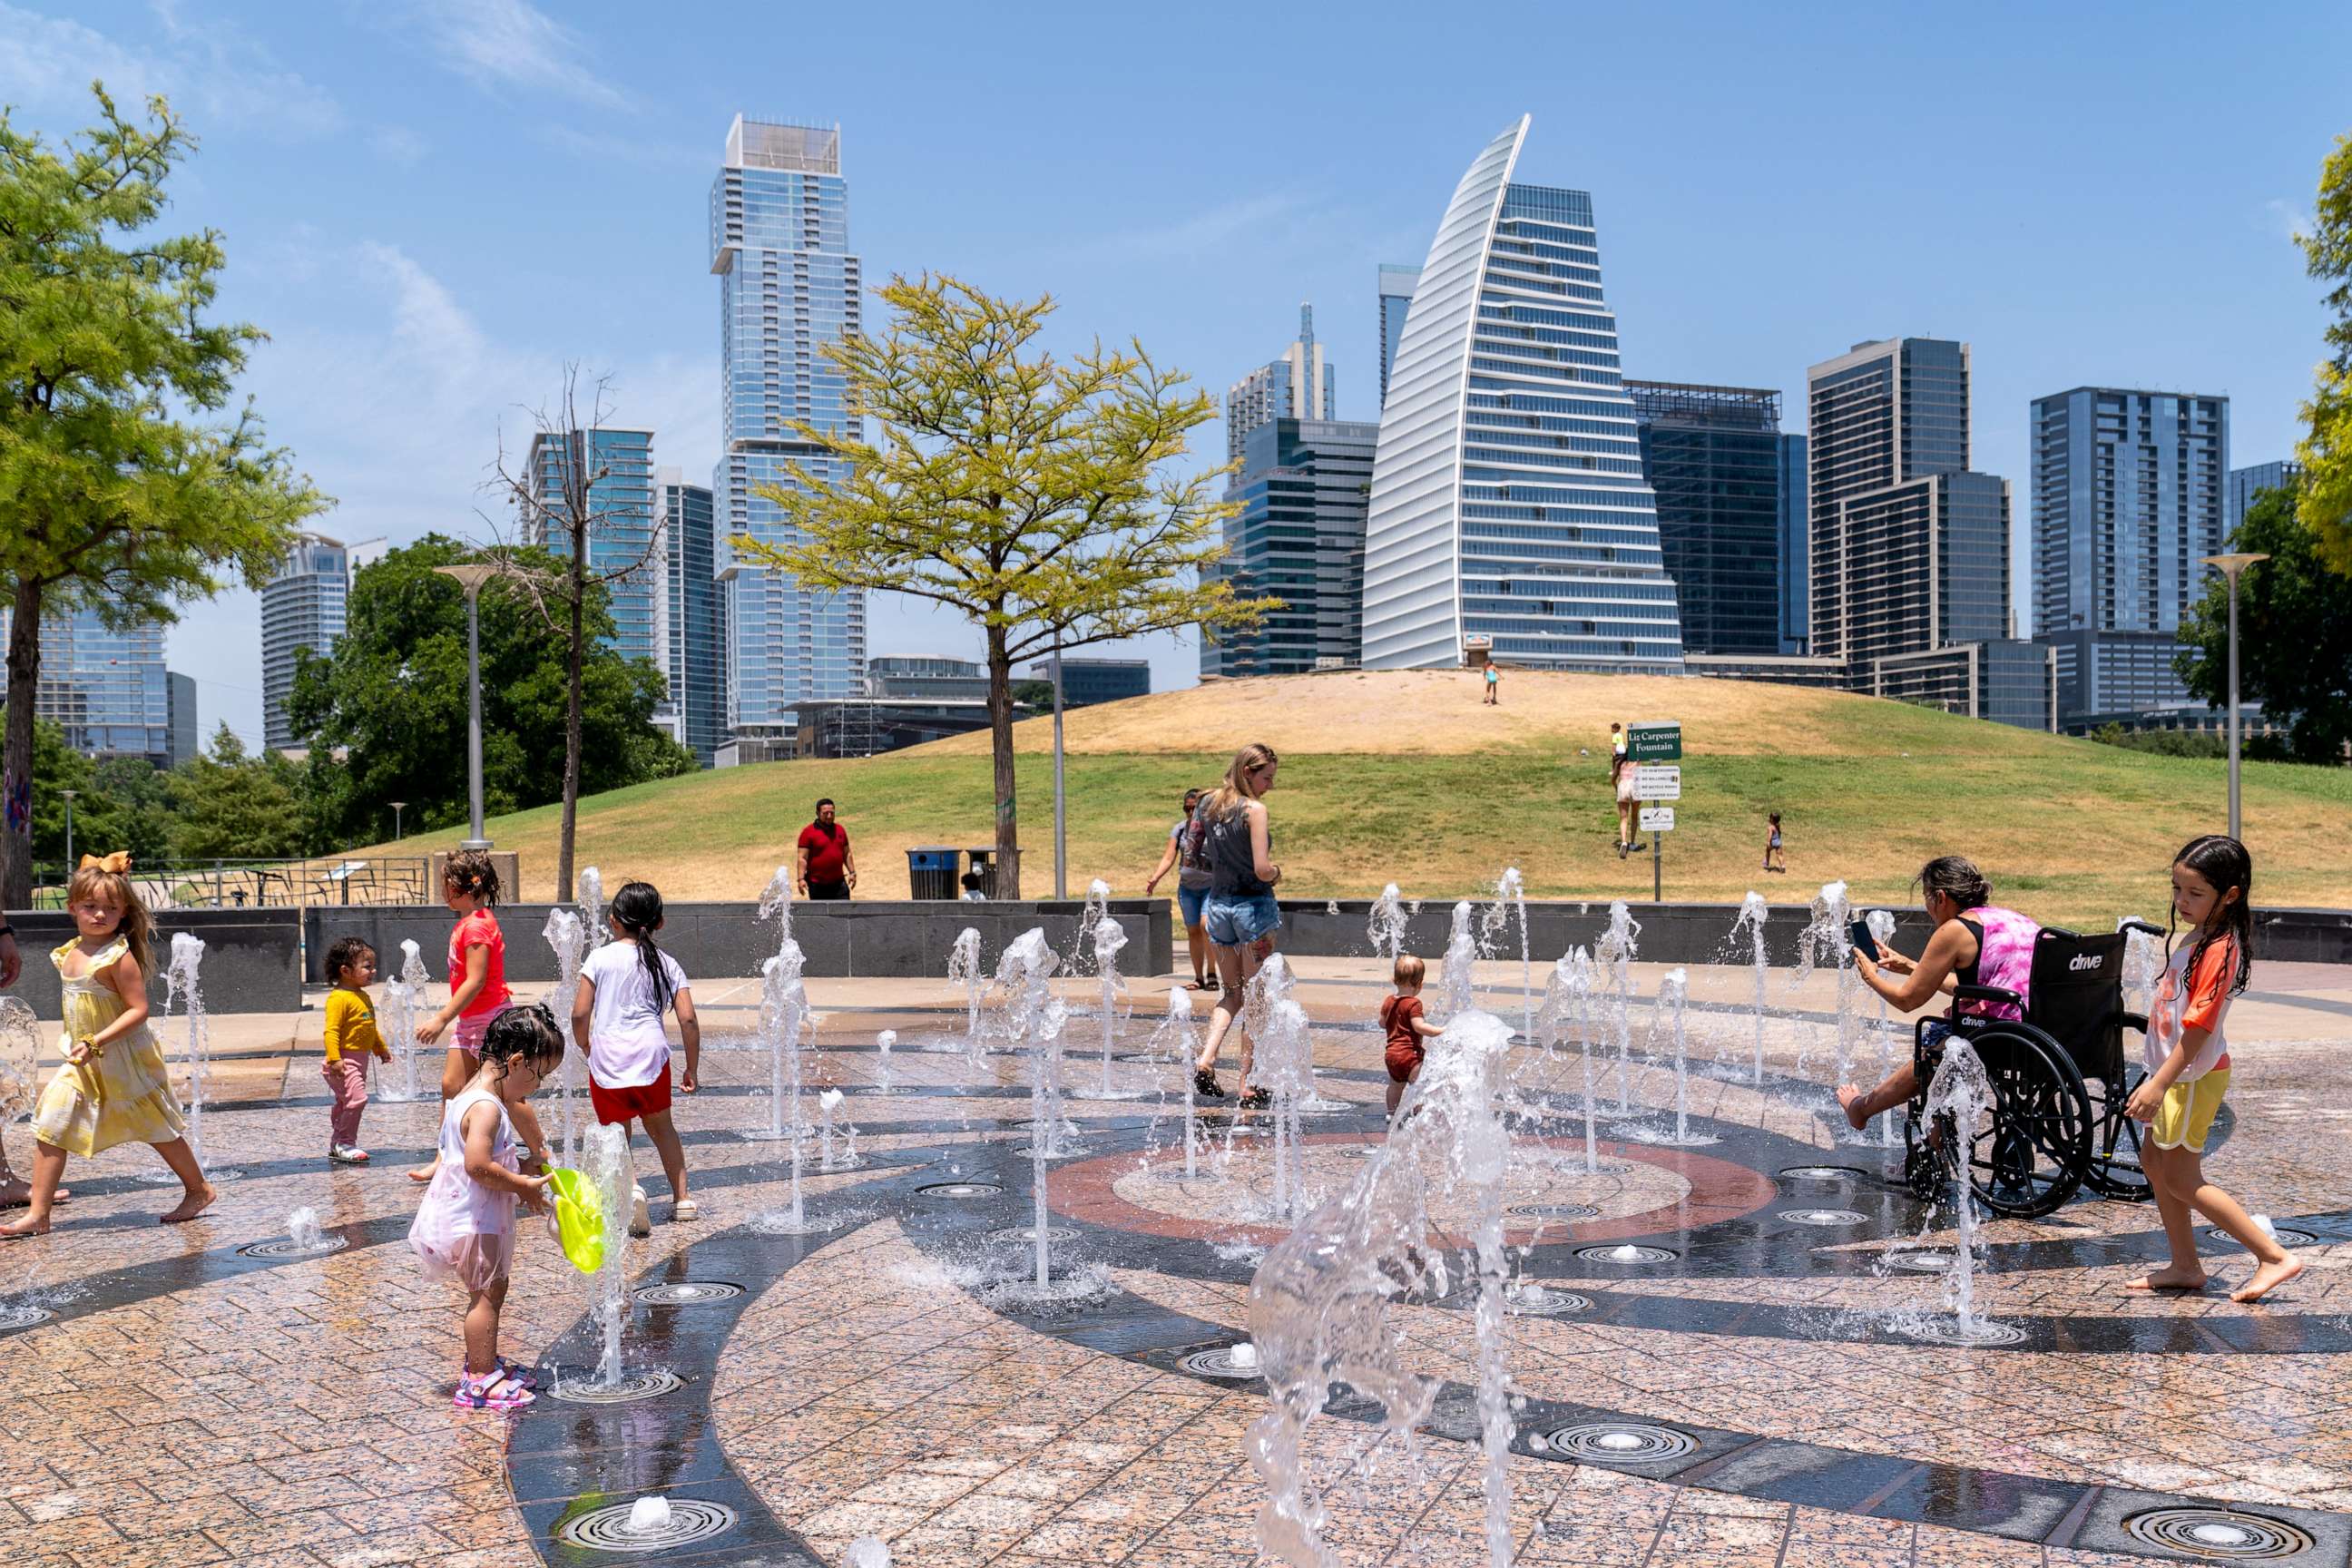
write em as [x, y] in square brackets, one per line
[625, 988]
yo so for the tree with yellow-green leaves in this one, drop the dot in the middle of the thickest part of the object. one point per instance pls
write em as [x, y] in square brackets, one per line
[1039, 497]
[2324, 504]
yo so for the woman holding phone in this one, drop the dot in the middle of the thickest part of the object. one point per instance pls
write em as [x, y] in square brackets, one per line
[1975, 942]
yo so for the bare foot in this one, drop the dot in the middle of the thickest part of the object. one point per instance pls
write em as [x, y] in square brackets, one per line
[17, 1192]
[2170, 1280]
[192, 1205]
[425, 1173]
[18, 1229]
[2267, 1278]
[1849, 1096]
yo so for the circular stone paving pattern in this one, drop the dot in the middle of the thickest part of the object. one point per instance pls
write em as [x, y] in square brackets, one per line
[286, 1247]
[687, 1293]
[651, 1383]
[2218, 1533]
[1614, 1443]
[607, 1529]
[15, 1318]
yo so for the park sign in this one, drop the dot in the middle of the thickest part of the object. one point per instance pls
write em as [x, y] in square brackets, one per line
[1657, 782]
[1657, 819]
[1659, 740]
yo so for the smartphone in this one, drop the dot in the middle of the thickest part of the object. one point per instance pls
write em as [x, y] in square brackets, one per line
[1858, 933]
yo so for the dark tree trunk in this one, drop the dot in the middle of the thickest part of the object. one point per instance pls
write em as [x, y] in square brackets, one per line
[17, 755]
[1000, 735]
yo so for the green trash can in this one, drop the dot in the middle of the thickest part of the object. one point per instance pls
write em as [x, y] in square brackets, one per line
[931, 872]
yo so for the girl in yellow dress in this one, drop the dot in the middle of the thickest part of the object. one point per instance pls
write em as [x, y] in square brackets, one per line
[114, 1087]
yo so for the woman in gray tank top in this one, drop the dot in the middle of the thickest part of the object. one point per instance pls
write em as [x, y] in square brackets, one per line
[1240, 916]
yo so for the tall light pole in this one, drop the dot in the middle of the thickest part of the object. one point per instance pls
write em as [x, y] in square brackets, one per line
[68, 796]
[1061, 817]
[2230, 566]
[395, 819]
[471, 577]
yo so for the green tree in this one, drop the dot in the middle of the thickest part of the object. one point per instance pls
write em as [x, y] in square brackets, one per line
[232, 806]
[1032, 495]
[119, 489]
[2294, 633]
[2325, 450]
[385, 714]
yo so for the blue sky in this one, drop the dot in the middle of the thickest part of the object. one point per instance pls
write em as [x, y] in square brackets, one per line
[430, 204]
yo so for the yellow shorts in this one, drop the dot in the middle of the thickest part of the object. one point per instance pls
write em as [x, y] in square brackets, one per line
[2188, 1112]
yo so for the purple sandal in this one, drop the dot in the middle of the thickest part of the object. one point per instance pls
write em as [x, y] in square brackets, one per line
[490, 1391]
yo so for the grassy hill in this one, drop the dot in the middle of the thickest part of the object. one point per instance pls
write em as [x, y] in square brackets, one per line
[1407, 778]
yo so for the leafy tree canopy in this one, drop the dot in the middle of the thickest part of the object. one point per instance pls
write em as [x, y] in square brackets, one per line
[2325, 450]
[231, 806]
[385, 714]
[2295, 634]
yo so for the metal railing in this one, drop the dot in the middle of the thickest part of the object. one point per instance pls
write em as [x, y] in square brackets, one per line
[222, 884]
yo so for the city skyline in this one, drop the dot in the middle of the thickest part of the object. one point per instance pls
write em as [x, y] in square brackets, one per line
[416, 307]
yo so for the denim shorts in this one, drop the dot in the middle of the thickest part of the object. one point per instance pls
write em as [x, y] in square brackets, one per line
[1239, 922]
[1189, 900]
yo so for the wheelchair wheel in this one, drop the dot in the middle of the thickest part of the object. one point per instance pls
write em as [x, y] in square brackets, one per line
[2114, 1170]
[2034, 1149]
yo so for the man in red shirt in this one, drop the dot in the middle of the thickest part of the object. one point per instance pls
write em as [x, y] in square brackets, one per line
[827, 868]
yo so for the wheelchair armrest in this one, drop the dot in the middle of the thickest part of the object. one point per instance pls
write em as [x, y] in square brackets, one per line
[1988, 993]
[2136, 1021]
[2142, 926]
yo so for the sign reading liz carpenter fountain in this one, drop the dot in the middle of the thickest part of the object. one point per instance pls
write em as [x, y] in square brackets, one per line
[1657, 740]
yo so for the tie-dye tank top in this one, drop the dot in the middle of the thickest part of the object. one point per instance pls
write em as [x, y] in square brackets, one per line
[2004, 958]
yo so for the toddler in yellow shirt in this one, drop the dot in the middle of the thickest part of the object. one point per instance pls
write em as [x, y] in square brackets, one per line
[352, 1040]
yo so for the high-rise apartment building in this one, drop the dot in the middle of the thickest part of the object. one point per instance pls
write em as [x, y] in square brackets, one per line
[618, 469]
[788, 286]
[1397, 284]
[1298, 385]
[303, 607]
[108, 690]
[1794, 528]
[691, 616]
[2128, 498]
[2246, 485]
[1713, 457]
[1299, 537]
[1508, 503]
[1086, 681]
[926, 677]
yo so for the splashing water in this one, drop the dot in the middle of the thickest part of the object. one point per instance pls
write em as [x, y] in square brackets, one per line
[1110, 937]
[1097, 905]
[605, 1151]
[1387, 925]
[1959, 1098]
[776, 904]
[1567, 1004]
[1881, 930]
[592, 905]
[20, 1058]
[1320, 1303]
[1282, 1063]
[963, 967]
[1510, 893]
[567, 933]
[1824, 937]
[303, 1229]
[1752, 916]
[648, 1516]
[2143, 967]
[400, 995]
[182, 983]
[828, 1104]
[1674, 998]
[882, 1044]
[1035, 1016]
[868, 1552]
[1613, 954]
[1179, 1032]
[783, 1013]
[1457, 971]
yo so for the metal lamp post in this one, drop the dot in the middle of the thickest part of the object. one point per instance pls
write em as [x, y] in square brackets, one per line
[471, 577]
[395, 818]
[2231, 566]
[68, 796]
[1061, 818]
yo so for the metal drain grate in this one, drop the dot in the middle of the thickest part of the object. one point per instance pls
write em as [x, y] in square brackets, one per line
[1028, 1233]
[607, 1529]
[1532, 1300]
[1918, 1260]
[1220, 1363]
[651, 1383]
[1822, 1173]
[1627, 1254]
[2284, 1235]
[15, 1318]
[2222, 1533]
[1552, 1211]
[687, 1293]
[1827, 1218]
[1614, 1443]
[961, 1190]
[1949, 1331]
[286, 1247]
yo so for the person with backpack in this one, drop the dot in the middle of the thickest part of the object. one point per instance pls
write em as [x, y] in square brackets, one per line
[1188, 853]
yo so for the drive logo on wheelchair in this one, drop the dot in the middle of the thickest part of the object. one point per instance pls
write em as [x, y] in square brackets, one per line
[2083, 961]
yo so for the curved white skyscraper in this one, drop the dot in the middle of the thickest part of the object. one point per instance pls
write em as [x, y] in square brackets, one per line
[1507, 499]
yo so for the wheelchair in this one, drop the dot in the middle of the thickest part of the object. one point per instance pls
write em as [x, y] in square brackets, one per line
[2060, 1082]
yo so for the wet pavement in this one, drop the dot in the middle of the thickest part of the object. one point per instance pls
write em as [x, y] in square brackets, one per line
[1752, 1385]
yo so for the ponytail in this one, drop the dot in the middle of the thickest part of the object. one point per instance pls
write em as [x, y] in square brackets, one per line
[637, 908]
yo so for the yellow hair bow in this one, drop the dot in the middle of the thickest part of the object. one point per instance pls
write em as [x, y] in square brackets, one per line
[119, 862]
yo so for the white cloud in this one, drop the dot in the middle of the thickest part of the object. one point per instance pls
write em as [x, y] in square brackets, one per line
[2289, 219]
[512, 43]
[212, 73]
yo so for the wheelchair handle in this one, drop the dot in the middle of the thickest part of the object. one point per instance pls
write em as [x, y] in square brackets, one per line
[2136, 924]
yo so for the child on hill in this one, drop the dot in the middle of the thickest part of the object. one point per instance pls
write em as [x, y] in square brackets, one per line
[112, 1086]
[352, 1040]
[625, 988]
[1773, 860]
[1401, 1015]
[465, 1228]
[2188, 1068]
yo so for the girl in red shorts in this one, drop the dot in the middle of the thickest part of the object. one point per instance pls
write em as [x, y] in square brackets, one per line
[1401, 1015]
[625, 988]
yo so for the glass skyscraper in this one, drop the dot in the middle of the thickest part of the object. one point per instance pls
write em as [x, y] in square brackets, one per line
[303, 607]
[618, 467]
[1298, 385]
[1508, 502]
[1299, 537]
[787, 287]
[1397, 284]
[690, 617]
[2246, 486]
[108, 690]
[1713, 456]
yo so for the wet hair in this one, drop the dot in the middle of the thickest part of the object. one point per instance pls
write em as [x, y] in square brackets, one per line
[526, 1033]
[636, 909]
[1956, 877]
[472, 872]
[343, 955]
[1233, 792]
[1409, 970]
[136, 928]
[2224, 864]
